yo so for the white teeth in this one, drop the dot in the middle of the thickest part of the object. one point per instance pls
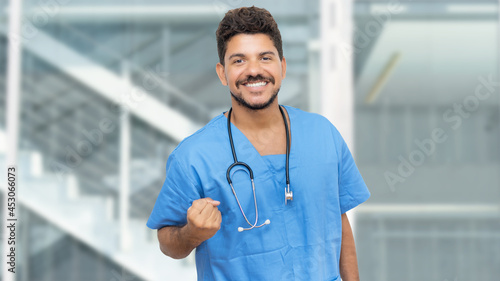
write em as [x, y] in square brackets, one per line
[258, 84]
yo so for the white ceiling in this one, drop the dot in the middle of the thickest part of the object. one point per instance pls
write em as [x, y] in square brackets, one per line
[440, 60]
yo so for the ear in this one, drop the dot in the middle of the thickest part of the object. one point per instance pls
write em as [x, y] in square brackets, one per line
[283, 68]
[219, 68]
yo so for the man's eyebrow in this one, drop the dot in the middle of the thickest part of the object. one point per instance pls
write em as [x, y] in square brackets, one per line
[267, 53]
[260, 54]
[236, 55]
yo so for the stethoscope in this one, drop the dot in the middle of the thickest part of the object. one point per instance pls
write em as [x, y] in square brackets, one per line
[288, 193]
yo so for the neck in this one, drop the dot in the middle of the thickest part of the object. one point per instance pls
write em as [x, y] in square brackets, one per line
[249, 119]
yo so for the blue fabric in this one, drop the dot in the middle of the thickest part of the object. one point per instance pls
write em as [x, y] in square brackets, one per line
[304, 237]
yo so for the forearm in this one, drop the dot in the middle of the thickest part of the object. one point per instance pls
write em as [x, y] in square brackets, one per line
[348, 260]
[203, 221]
[176, 242]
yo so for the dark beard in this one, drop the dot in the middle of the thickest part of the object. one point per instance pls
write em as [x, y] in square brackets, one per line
[243, 103]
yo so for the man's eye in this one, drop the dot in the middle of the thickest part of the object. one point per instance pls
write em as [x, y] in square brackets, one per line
[266, 58]
[238, 61]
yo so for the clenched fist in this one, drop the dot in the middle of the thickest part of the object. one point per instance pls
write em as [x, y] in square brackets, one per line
[203, 219]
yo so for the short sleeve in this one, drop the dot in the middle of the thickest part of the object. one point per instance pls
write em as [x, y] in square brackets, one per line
[176, 196]
[352, 188]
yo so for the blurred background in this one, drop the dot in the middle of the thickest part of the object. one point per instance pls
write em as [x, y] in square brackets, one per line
[109, 88]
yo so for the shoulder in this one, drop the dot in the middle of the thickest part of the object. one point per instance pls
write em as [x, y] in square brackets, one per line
[202, 140]
[314, 126]
[309, 120]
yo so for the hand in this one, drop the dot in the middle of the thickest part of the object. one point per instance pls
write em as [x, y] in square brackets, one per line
[203, 219]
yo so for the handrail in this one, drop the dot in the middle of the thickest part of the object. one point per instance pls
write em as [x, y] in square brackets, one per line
[98, 157]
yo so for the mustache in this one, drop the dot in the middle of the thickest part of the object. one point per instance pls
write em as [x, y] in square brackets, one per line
[251, 79]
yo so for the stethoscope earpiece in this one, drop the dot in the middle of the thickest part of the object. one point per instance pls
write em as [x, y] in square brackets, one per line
[241, 229]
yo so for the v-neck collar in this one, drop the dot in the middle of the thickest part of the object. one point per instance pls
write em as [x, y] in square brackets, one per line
[233, 128]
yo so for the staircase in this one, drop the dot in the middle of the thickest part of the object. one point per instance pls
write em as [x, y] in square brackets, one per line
[90, 219]
[82, 202]
[109, 85]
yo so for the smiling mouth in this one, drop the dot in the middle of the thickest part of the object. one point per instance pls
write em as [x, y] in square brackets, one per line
[255, 84]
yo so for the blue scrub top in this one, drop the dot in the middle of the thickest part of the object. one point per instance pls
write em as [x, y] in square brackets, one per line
[304, 238]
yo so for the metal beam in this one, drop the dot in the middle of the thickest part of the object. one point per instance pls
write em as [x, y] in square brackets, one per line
[124, 171]
[147, 13]
[12, 120]
[336, 56]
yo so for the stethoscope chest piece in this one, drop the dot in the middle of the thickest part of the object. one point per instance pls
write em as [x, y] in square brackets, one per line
[288, 194]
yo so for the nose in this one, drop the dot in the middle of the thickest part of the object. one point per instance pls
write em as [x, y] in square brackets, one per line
[254, 68]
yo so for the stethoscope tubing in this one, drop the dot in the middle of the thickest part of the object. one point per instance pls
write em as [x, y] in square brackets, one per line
[250, 172]
[228, 173]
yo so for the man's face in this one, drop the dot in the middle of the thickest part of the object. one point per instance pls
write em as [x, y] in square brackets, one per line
[253, 70]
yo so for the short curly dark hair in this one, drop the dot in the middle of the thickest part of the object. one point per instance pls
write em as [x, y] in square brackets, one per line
[247, 20]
